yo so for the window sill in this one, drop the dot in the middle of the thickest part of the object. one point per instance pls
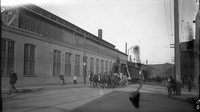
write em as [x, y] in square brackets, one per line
[30, 75]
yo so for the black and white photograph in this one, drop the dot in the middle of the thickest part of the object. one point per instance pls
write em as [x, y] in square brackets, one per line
[100, 56]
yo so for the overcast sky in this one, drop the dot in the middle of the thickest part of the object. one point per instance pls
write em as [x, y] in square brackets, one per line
[147, 23]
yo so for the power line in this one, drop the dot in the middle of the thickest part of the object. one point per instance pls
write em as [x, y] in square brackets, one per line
[166, 19]
[170, 16]
[116, 18]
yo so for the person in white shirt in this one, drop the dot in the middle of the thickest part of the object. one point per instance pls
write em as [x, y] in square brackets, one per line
[74, 78]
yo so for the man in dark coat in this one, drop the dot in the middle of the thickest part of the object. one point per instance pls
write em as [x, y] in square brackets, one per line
[13, 80]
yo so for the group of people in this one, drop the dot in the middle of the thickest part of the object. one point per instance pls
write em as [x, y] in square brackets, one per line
[101, 80]
[110, 80]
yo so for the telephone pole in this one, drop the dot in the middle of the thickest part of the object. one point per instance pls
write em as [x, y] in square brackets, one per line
[197, 34]
[177, 49]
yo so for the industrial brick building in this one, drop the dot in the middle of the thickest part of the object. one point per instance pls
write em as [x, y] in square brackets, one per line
[187, 61]
[39, 46]
[163, 70]
[135, 67]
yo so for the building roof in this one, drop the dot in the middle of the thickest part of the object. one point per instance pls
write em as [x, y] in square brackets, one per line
[44, 13]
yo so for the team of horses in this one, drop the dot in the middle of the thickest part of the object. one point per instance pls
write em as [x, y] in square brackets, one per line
[108, 80]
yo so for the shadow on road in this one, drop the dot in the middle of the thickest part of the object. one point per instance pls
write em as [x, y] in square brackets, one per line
[36, 108]
[118, 101]
[30, 90]
[20, 92]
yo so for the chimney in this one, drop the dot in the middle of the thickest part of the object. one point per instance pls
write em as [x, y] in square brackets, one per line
[100, 33]
[126, 48]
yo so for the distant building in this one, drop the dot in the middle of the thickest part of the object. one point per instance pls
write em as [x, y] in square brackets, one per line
[163, 70]
[135, 67]
[39, 46]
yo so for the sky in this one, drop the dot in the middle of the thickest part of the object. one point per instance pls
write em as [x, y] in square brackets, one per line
[146, 23]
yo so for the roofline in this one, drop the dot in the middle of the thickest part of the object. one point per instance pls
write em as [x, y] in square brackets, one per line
[60, 20]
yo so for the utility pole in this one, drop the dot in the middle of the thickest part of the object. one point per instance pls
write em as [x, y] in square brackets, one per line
[84, 62]
[198, 45]
[126, 47]
[177, 49]
[197, 50]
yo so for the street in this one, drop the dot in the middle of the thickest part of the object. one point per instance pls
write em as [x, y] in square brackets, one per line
[86, 99]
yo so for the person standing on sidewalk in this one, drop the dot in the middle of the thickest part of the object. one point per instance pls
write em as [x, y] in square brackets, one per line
[141, 79]
[170, 86]
[62, 78]
[90, 76]
[13, 80]
[74, 78]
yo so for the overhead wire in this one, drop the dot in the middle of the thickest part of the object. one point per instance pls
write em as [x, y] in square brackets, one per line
[181, 20]
[171, 19]
[116, 18]
[170, 16]
[166, 19]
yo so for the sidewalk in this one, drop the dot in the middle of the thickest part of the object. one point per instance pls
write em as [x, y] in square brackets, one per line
[185, 95]
[34, 88]
[188, 97]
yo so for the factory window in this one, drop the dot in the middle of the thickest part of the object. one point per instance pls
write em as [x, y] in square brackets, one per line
[97, 66]
[110, 66]
[7, 58]
[102, 66]
[106, 66]
[77, 65]
[29, 59]
[92, 65]
[67, 64]
[56, 62]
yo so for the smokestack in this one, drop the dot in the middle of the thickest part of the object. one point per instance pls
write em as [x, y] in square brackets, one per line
[100, 33]
[146, 62]
[126, 48]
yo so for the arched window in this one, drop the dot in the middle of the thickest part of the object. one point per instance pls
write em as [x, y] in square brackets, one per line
[29, 59]
[7, 50]
[68, 64]
[56, 62]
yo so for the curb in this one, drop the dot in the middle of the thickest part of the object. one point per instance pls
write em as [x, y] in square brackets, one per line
[179, 98]
[184, 98]
[44, 88]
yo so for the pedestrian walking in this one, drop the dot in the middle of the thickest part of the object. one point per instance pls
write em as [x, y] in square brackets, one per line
[13, 80]
[74, 78]
[170, 86]
[62, 79]
[90, 76]
[141, 79]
